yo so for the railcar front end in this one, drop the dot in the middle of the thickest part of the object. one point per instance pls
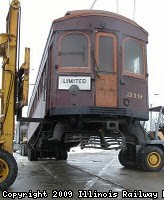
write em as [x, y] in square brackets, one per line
[91, 86]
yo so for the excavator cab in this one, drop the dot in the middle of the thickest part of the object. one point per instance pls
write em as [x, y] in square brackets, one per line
[149, 155]
[156, 123]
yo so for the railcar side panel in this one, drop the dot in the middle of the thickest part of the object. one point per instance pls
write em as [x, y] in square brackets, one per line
[40, 112]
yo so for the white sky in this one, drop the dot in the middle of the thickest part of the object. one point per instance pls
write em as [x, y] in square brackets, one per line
[37, 16]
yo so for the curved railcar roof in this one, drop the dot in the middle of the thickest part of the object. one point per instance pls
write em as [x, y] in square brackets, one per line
[99, 20]
[82, 13]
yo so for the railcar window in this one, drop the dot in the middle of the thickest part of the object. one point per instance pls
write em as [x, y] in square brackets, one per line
[74, 51]
[133, 57]
[106, 54]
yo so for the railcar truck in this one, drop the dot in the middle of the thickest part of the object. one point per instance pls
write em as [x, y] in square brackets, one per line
[13, 93]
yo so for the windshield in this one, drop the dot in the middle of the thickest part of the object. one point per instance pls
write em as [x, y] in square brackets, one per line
[74, 50]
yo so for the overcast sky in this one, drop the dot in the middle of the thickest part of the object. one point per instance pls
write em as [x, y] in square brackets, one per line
[37, 16]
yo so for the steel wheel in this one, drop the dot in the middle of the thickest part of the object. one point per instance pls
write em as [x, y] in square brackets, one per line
[123, 157]
[62, 155]
[32, 154]
[152, 159]
[8, 170]
[126, 160]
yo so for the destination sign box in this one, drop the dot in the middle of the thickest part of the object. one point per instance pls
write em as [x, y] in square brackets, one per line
[83, 82]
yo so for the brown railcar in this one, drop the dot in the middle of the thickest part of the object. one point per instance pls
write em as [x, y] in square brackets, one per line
[91, 87]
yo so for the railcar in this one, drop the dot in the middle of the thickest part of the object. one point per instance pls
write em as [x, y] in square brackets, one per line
[91, 88]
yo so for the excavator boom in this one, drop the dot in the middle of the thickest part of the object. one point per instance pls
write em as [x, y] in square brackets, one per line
[9, 44]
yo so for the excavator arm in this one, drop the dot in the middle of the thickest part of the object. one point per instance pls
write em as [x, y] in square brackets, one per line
[10, 93]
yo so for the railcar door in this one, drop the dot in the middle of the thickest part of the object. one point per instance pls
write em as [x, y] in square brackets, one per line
[106, 81]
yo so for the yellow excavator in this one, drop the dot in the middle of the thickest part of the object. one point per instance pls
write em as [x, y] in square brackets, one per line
[13, 92]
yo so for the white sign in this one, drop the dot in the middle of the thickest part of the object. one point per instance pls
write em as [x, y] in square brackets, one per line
[83, 82]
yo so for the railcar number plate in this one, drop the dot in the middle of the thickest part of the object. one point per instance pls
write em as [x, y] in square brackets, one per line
[83, 82]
